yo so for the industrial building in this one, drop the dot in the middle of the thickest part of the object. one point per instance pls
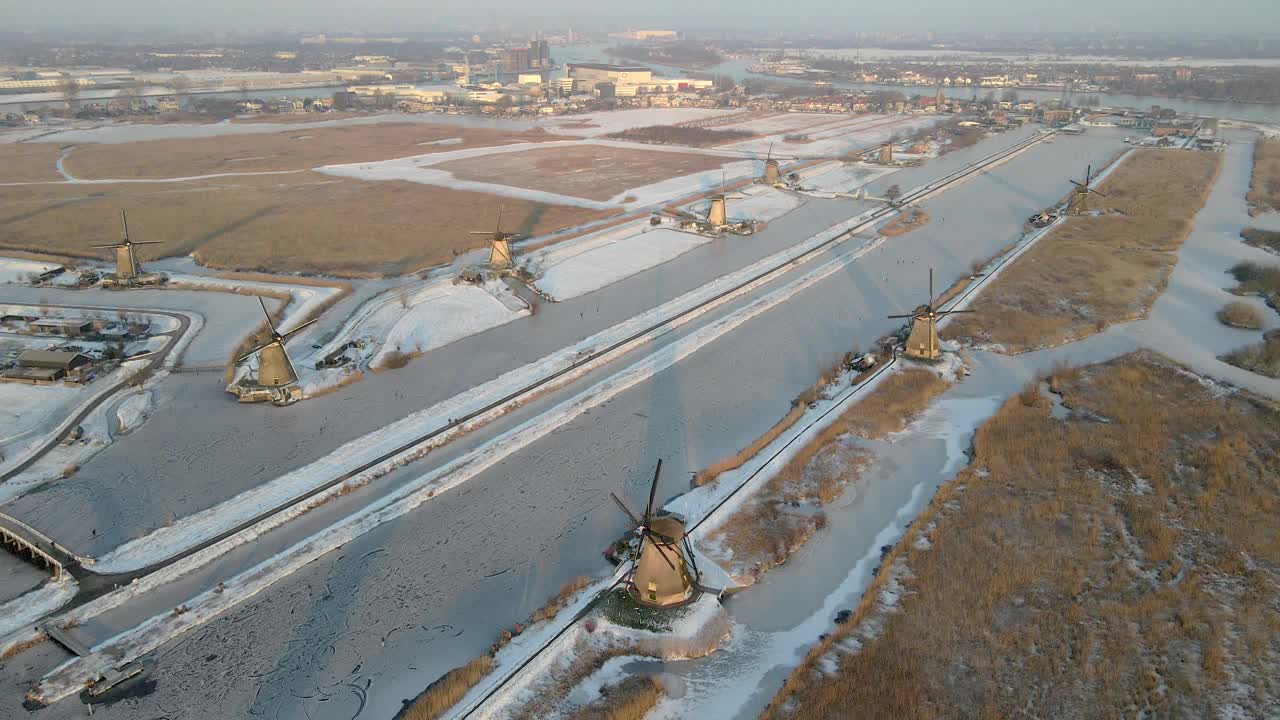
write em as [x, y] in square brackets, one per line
[646, 35]
[66, 327]
[586, 76]
[43, 367]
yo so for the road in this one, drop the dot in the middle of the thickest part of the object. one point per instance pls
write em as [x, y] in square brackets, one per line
[407, 601]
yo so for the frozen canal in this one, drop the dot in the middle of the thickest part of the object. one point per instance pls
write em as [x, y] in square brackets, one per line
[200, 447]
[397, 607]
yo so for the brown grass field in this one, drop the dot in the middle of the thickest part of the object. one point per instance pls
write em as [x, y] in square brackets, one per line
[769, 528]
[29, 162]
[630, 699]
[1121, 561]
[306, 222]
[274, 151]
[597, 172]
[1264, 189]
[1092, 271]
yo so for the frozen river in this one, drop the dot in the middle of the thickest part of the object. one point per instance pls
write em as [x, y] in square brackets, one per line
[395, 608]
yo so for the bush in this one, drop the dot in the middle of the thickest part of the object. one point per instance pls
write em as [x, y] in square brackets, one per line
[1266, 239]
[1241, 315]
[1262, 358]
[1257, 278]
[395, 359]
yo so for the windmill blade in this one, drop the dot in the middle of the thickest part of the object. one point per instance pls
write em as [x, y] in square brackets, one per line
[688, 551]
[930, 288]
[768, 155]
[900, 317]
[479, 232]
[626, 510]
[147, 242]
[289, 334]
[954, 312]
[1073, 182]
[1097, 192]
[267, 315]
[653, 491]
[497, 231]
[1088, 175]
[107, 247]
[251, 353]
[658, 549]
[124, 219]
[293, 372]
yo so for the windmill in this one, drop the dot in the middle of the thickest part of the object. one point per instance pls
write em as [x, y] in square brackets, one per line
[922, 342]
[274, 367]
[772, 172]
[660, 577]
[886, 154]
[1079, 203]
[128, 271]
[500, 257]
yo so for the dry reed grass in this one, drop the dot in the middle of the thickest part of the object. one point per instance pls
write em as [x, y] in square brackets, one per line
[447, 691]
[630, 699]
[1264, 187]
[1092, 271]
[772, 526]
[29, 162]
[553, 693]
[276, 151]
[304, 222]
[905, 223]
[1268, 240]
[1119, 561]
[1241, 315]
[598, 172]
[1262, 358]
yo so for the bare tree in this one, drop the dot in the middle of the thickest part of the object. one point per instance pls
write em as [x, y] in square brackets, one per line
[181, 84]
[893, 193]
[69, 88]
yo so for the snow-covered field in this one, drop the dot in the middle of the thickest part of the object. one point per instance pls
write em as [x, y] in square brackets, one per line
[27, 410]
[860, 132]
[788, 123]
[442, 313]
[578, 267]
[828, 178]
[617, 120]
[759, 203]
[17, 270]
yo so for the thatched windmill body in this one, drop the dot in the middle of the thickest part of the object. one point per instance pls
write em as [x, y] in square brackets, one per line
[772, 171]
[500, 257]
[922, 341]
[128, 269]
[1079, 202]
[664, 574]
[276, 379]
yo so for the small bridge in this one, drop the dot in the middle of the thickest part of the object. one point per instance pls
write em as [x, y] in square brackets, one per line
[23, 541]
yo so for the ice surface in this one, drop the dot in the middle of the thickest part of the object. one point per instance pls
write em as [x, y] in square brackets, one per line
[606, 258]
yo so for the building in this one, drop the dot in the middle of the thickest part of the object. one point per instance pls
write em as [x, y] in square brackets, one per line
[587, 75]
[66, 327]
[43, 367]
[515, 59]
[646, 35]
[539, 54]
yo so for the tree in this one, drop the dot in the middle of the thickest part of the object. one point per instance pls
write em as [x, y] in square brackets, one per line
[893, 193]
[341, 100]
[69, 88]
[181, 84]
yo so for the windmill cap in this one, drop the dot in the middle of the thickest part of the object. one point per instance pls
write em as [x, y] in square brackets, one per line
[667, 525]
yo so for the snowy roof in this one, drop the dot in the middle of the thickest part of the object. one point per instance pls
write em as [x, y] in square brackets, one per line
[61, 359]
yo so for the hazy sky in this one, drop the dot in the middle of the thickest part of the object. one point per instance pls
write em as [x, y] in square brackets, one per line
[816, 15]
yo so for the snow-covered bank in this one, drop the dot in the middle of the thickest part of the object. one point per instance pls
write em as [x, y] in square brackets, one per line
[758, 202]
[27, 609]
[577, 267]
[133, 411]
[831, 178]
